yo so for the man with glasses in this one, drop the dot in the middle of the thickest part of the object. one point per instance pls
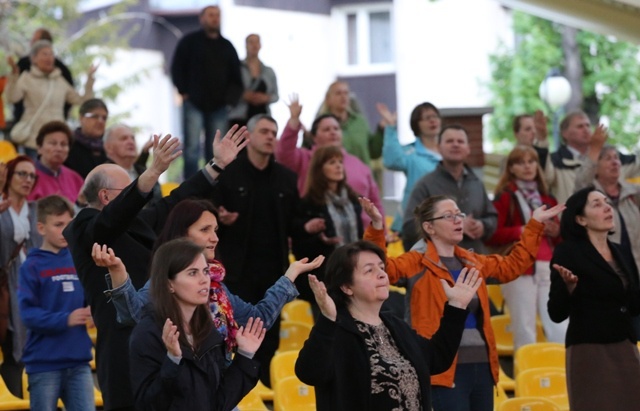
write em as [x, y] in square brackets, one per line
[454, 178]
[87, 150]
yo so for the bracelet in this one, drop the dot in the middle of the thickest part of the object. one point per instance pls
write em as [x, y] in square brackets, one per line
[216, 167]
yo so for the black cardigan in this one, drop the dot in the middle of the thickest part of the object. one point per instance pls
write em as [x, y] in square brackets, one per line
[335, 360]
[600, 309]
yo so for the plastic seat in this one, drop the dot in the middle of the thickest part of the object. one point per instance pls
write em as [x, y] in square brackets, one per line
[298, 310]
[293, 395]
[528, 404]
[496, 297]
[252, 401]
[293, 334]
[547, 382]
[505, 382]
[9, 401]
[545, 354]
[501, 325]
[167, 188]
[499, 396]
[283, 365]
[263, 391]
[7, 151]
[93, 333]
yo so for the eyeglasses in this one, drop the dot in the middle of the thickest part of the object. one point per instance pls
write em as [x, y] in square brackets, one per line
[115, 189]
[25, 175]
[96, 116]
[450, 217]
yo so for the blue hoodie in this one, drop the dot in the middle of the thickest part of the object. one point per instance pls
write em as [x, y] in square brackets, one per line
[49, 290]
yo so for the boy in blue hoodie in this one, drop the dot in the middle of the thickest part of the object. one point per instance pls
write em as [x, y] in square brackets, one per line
[51, 299]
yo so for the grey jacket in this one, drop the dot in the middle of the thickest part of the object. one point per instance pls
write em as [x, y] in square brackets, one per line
[268, 75]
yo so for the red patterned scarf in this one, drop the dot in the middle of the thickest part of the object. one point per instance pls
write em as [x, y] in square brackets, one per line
[220, 307]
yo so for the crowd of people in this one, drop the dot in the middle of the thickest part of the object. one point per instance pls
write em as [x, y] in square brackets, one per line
[186, 290]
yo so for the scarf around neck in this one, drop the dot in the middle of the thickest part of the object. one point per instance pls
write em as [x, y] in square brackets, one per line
[529, 190]
[221, 309]
[343, 215]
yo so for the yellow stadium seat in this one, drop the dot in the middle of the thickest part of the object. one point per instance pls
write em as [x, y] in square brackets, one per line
[544, 354]
[9, 401]
[263, 391]
[293, 395]
[496, 297]
[298, 310]
[92, 363]
[501, 325]
[505, 382]
[548, 382]
[293, 334]
[253, 402]
[499, 396]
[528, 404]
[283, 365]
[93, 333]
[167, 188]
[7, 151]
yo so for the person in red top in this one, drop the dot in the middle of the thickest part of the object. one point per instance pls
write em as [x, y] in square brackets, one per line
[520, 190]
[468, 383]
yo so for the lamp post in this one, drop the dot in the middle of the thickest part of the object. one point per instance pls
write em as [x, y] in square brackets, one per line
[555, 91]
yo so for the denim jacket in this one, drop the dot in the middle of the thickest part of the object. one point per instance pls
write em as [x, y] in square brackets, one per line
[129, 302]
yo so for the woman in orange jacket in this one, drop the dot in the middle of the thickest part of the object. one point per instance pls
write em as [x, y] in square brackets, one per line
[468, 384]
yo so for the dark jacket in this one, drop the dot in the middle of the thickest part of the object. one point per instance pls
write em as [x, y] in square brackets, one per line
[207, 70]
[197, 383]
[311, 246]
[24, 64]
[235, 191]
[335, 360]
[600, 309]
[131, 231]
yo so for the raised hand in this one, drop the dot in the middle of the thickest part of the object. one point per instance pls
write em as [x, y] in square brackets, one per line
[295, 108]
[597, 141]
[543, 213]
[170, 335]
[388, 117]
[165, 150]
[303, 266]
[92, 70]
[325, 303]
[79, 316]
[250, 336]
[464, 289]
[226, 149]
[104, 256]
[569, 278]
[12, 63]
[372, 211]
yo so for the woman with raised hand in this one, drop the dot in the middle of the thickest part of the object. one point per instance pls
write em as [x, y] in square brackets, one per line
[359, 358]
[468, 383]
[177, 356]
[595, 285]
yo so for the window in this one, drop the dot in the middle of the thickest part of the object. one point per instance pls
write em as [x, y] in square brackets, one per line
[366, 39]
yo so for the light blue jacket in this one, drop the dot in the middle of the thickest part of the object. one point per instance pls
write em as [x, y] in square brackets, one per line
[129, 303]
[414, 160]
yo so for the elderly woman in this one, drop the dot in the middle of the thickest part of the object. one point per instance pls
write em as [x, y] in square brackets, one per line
[54, 140]
[595, 285]
[44, 92]
[18, 233]
[358, 358]
[468, 383]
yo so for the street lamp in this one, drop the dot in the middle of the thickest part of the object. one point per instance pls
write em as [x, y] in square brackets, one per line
[555, 91]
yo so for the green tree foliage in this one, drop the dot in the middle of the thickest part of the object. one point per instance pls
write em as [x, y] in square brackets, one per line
[611, 82]
[79, 43]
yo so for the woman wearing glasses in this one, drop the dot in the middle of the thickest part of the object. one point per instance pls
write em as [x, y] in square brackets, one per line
[468, 383]
[18, 233]
[521, 190]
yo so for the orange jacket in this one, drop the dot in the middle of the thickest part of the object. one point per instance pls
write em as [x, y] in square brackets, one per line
[427, 298]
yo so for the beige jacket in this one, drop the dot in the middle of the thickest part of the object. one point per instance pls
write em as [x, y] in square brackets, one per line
[32, 86]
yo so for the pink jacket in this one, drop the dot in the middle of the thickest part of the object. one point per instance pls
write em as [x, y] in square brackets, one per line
[358, 174]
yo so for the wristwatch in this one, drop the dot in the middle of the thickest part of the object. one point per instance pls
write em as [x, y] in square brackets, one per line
[216, 167]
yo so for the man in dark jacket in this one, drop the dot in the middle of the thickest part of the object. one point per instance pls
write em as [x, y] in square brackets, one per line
[206, 71]
[87, 150]
[258, 203]
[115, 217]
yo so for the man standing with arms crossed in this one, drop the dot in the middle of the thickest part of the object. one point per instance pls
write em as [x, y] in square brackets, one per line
[206, 71]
